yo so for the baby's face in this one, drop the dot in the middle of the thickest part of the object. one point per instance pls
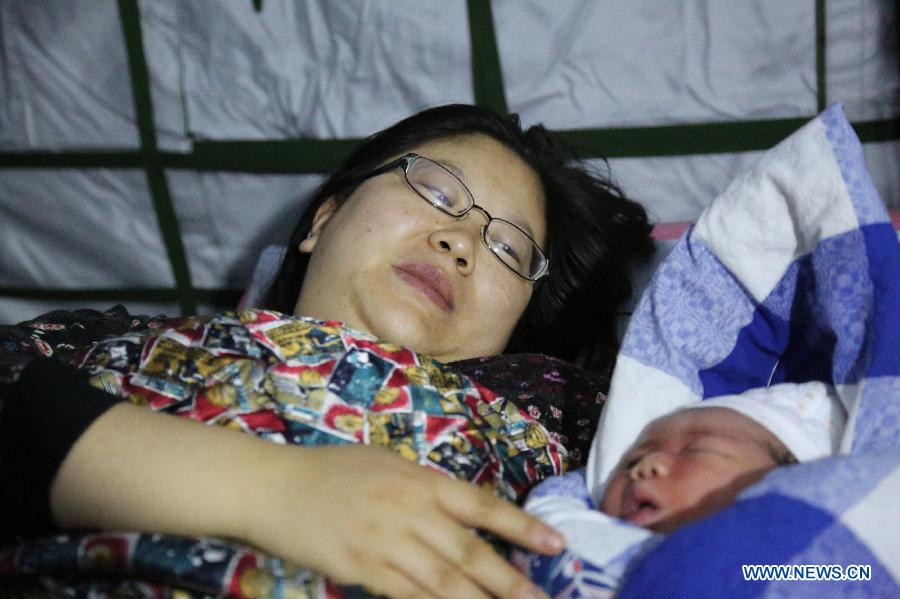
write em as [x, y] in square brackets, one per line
[688, 465]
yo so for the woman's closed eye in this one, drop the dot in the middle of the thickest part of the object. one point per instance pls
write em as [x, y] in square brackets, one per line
[440, 197]
[508, 250]
[513, 250]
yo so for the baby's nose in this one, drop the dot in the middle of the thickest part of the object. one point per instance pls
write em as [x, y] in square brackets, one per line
[651, 465]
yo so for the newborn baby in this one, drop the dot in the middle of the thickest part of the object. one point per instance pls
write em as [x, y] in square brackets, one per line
[683, 466]
[690, 464]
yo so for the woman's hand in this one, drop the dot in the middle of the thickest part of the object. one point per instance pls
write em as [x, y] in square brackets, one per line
[359, 515]
[363, 515]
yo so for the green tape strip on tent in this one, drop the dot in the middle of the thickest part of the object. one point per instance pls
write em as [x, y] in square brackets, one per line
[156, 177]
[321, 155]
[821, 87]
[298, 156]
[487, 75]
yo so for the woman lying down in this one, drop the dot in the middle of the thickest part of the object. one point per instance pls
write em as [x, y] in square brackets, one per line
[454, 233]
[683, 466]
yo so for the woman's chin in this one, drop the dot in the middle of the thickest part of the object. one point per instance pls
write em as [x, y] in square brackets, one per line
[410, 328]
[414, 322]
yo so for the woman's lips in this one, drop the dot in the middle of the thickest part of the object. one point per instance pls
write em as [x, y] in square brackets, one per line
[429, 280]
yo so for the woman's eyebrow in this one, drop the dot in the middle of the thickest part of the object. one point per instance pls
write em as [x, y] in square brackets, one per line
[461, 175]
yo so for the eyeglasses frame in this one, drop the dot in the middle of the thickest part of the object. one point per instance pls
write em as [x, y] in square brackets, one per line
[408, 159]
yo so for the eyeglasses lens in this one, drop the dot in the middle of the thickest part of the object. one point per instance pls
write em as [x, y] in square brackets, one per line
[511, 246]
[440, 187]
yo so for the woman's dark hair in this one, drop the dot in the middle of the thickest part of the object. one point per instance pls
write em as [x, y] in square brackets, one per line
[593, 232]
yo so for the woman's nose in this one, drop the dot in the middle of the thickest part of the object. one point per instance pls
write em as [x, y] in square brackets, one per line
[651, 465]
[459, 242]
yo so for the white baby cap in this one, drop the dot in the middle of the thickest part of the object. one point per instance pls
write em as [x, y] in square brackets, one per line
[807, 417]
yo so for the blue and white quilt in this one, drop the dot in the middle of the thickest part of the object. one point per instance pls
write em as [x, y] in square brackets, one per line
[792, 274]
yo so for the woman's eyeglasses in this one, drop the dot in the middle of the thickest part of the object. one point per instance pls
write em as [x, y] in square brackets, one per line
[442, 189]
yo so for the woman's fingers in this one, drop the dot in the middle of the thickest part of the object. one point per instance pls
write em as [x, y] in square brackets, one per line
[479, 509]
[434, 572]
[394, 583]
[464, 553]
[373, 516]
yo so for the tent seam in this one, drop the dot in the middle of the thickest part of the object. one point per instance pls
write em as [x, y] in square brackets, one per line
[487, 74]
[153, 170]
[278, 156]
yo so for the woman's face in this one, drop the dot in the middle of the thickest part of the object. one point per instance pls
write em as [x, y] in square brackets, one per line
[389, 263]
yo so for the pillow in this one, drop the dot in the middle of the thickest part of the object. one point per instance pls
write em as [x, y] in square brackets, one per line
[263, 274]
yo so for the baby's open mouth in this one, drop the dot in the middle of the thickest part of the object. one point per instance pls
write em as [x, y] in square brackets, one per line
[642, 509]
[644, 514]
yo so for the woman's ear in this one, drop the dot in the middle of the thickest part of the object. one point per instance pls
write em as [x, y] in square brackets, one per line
[323, 213]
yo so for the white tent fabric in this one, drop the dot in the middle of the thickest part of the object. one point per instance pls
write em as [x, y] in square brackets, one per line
[278, 69]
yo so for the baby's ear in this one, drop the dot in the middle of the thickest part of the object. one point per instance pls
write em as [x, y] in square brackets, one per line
[323, 214]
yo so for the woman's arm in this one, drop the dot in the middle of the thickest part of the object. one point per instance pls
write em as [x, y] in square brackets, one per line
[360, 515]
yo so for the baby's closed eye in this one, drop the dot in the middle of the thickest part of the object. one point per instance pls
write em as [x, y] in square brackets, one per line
[630, 461]
[706, 447]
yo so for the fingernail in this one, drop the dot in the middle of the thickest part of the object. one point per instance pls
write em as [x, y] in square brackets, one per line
[553, 540]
